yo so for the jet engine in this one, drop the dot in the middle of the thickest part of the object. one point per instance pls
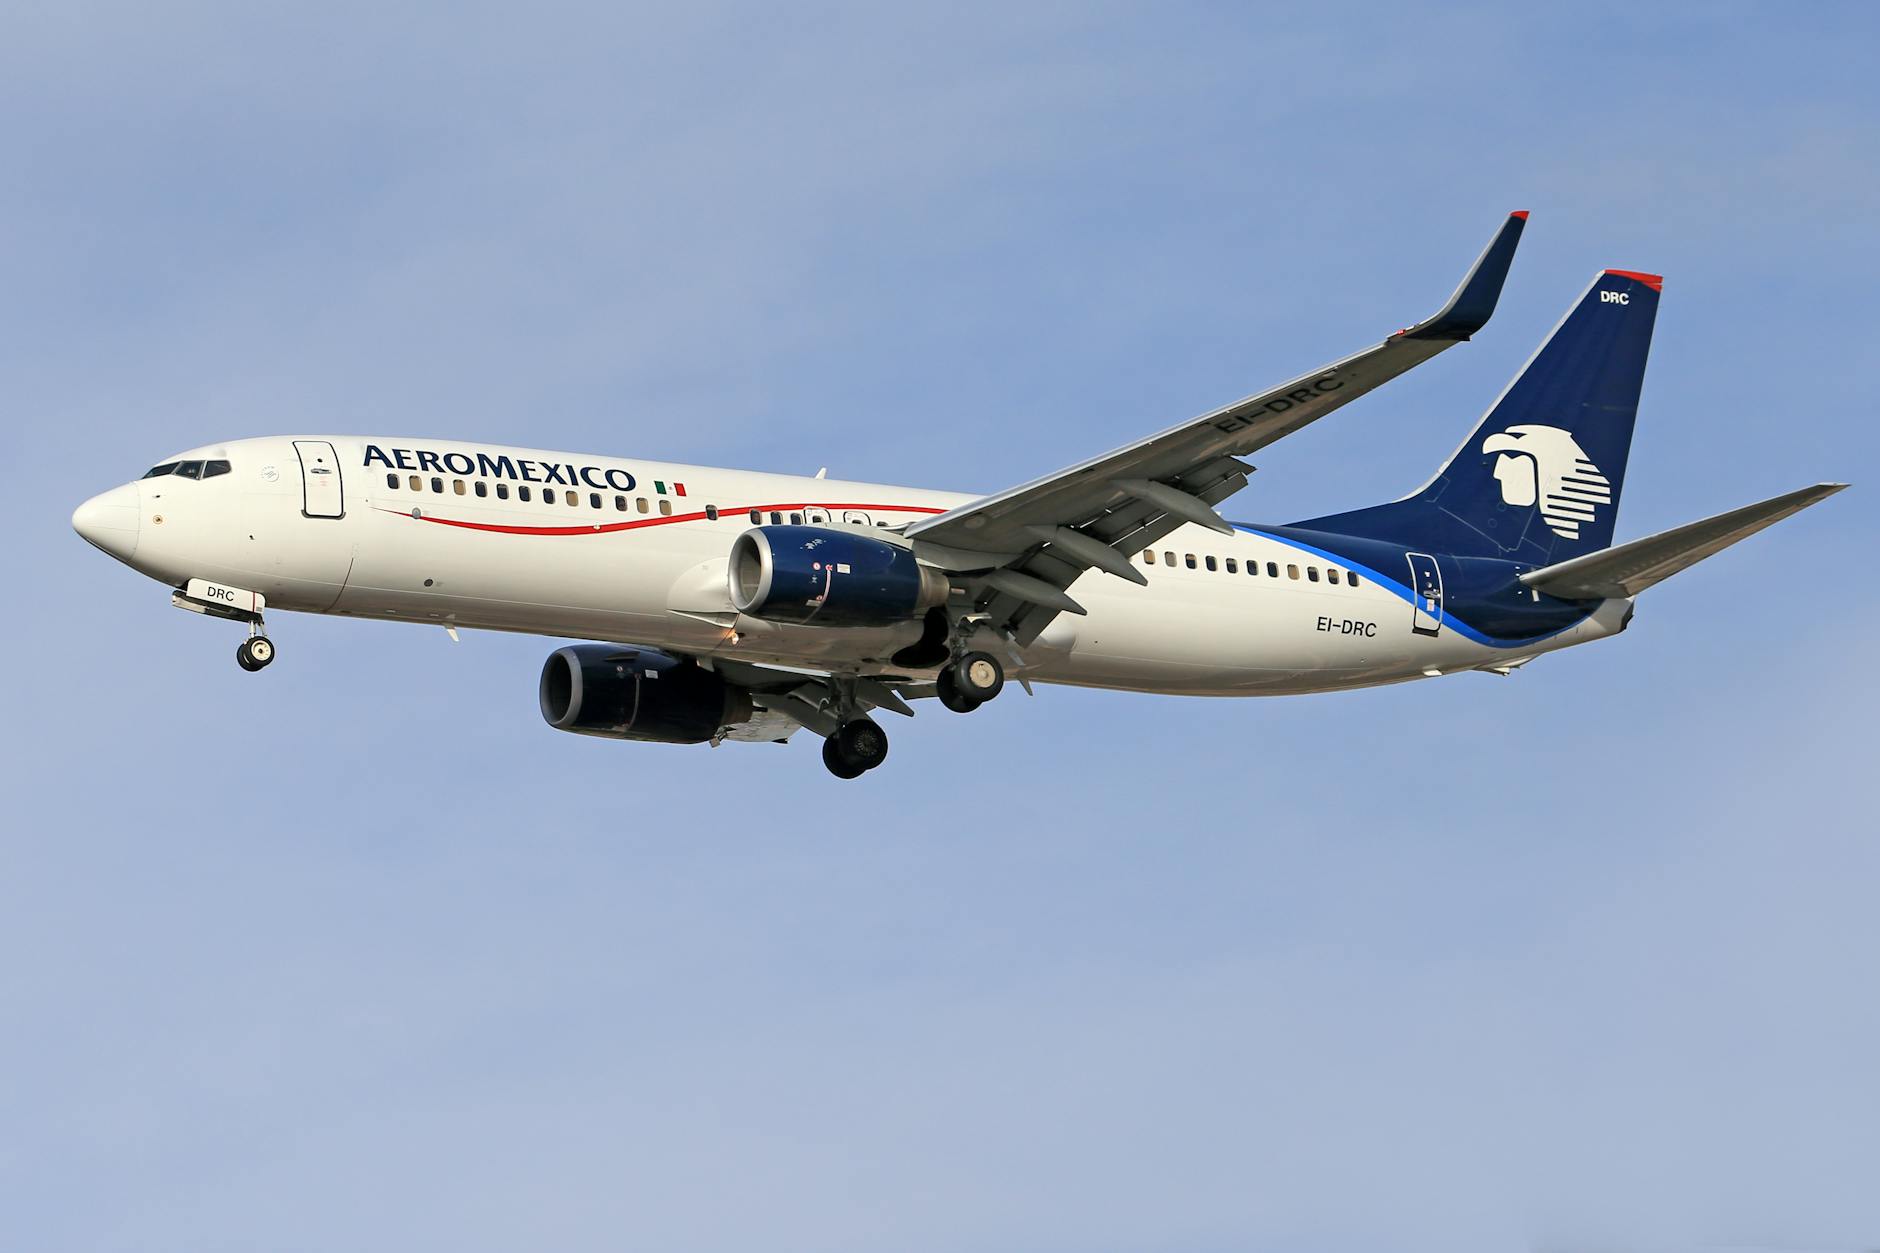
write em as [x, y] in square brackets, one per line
[637, 694]
[822, 576]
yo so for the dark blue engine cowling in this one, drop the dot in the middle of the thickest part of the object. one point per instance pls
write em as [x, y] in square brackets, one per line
[826, 576]
[636, 694]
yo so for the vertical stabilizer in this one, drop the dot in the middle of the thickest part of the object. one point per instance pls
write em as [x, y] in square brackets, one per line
[1539, 479]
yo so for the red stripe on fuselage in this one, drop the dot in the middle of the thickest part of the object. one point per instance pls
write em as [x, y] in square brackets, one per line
[603, 528]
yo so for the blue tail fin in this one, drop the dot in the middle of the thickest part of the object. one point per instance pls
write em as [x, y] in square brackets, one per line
[1539, 479]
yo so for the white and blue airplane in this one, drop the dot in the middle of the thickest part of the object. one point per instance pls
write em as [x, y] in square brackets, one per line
[745, 606]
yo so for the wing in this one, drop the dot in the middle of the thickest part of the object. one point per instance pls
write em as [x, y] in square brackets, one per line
[1628, 569]
[1031, 542]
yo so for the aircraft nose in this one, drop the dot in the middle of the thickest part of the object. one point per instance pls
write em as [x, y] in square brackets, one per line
[110, 520]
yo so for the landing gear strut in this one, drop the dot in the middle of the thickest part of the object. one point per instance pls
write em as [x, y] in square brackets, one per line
[970, 682]
[858, 746]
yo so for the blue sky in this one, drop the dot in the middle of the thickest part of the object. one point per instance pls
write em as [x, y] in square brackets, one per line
[359, 954]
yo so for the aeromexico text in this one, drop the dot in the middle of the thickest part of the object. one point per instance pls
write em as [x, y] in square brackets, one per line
[482, 465]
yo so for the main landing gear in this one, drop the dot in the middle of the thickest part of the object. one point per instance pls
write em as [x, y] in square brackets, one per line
[857, 747]
[970, 682]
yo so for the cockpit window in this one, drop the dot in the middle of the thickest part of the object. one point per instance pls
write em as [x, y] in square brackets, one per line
[188, 469]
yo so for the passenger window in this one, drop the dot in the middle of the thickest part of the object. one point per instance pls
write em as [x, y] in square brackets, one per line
[456, 485]
[1312, 574]
[1272, 569]
[1233, 567]
[212, 468]
[1209, 561]
[417, 484]
[711, 513]
[1352, 578]
[1168, 558]
[639, 503]
[665, 508]
[1331, 576]
[757, 517]
[594, 500]
[522, 492]
[1188, 559]
[776, 519]
[391, 480]
[189, 469]
[796, 519]
[502, 491]
[1292, 572]
[620, 504]
[482, 488]
[437, 485]
[1148, 556]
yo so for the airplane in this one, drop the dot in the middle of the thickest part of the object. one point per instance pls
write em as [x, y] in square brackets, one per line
[733, 605]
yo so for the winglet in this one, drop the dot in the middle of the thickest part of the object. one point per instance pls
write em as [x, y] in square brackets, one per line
[1472, 304]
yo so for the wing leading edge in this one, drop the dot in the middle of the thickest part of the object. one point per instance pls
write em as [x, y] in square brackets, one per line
[1033, 541]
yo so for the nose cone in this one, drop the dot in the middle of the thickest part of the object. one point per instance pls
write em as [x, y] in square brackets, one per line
[110, 521]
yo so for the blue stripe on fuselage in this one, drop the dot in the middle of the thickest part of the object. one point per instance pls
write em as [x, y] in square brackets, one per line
[1367, 565]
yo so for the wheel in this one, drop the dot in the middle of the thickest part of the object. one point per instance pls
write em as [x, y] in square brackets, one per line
[241, 658]
[838, 765]
[948, 690]
[255, 652]
[979, 676]
[860, 742]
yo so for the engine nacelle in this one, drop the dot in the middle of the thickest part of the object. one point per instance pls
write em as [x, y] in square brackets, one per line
[637, 694]
[824, 576]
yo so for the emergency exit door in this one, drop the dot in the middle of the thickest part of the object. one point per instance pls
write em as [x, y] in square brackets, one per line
[322, 494]
[1426, 590]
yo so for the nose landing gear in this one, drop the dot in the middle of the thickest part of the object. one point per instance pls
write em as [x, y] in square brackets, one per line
[219, 600]
[255, 652]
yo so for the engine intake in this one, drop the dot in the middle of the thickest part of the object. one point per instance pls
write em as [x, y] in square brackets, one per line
[829, 577]
[637, 694]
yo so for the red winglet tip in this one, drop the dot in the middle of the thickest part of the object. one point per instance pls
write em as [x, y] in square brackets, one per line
[1654, 281]
[1519, 213]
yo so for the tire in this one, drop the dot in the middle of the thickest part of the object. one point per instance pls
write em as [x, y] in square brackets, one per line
[979, 676]
[260, 650]
[838, 765]
[242, 660]
[861, 742]
[948, 690]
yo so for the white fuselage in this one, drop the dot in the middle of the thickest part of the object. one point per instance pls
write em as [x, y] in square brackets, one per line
[634, 551]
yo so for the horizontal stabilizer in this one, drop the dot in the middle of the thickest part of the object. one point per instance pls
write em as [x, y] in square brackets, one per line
[1628, 569]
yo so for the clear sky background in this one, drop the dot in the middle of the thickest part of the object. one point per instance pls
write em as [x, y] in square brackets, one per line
[358, 954]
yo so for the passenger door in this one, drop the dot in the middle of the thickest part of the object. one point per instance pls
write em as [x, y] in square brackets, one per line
[1426, 586]
[322, 495]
